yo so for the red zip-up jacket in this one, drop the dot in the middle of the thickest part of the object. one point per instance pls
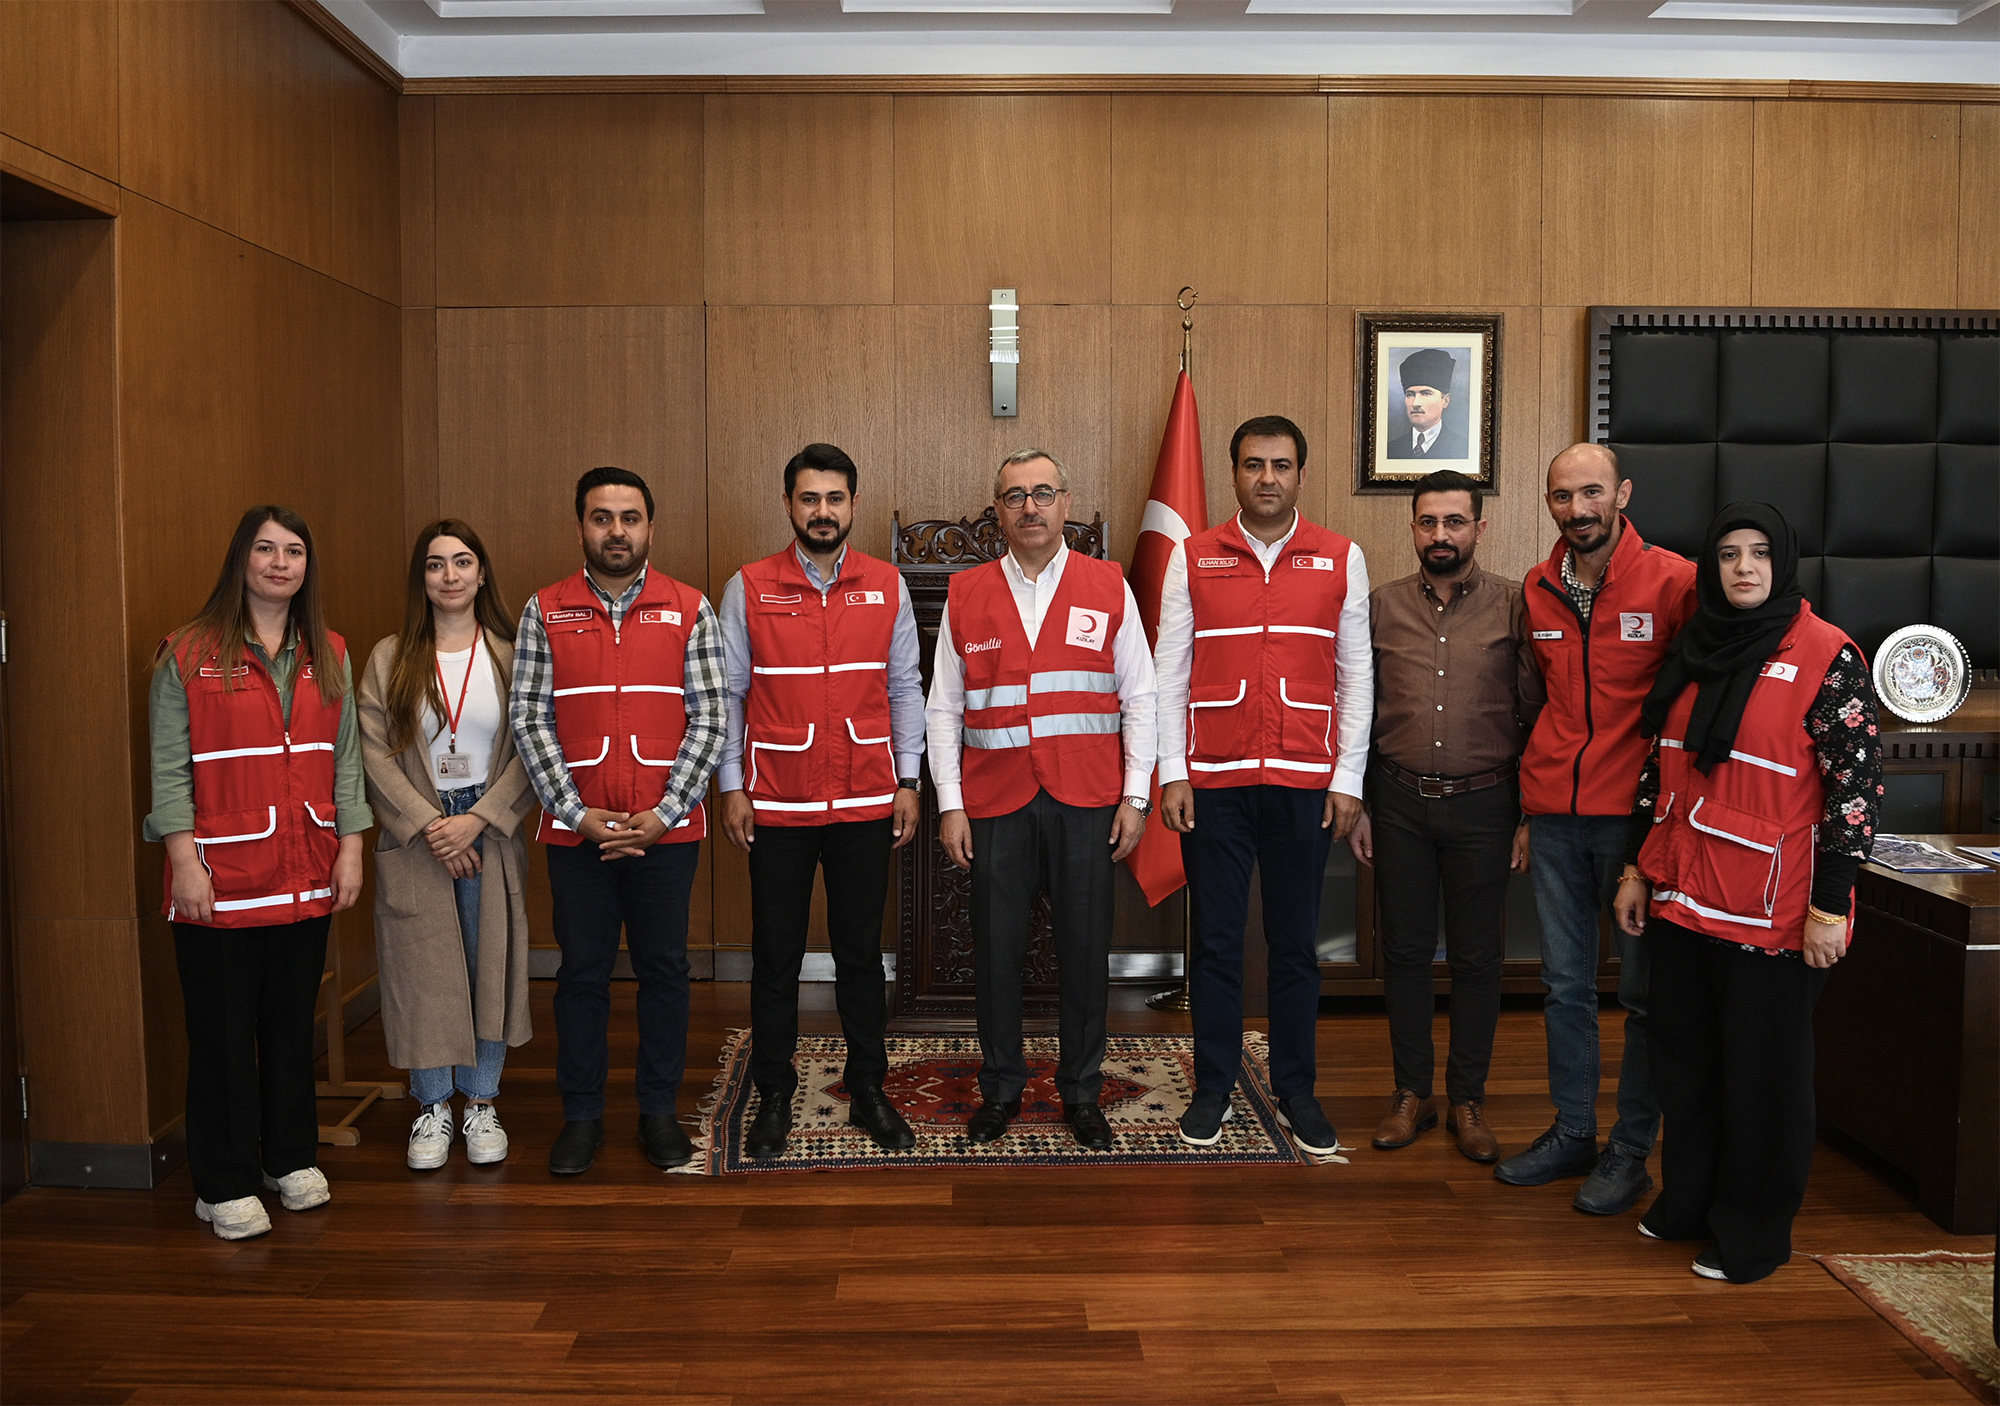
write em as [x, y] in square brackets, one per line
[1586, 753]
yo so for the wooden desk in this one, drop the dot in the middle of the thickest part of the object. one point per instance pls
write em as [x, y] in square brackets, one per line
[1939, 774]
[1908, 1035]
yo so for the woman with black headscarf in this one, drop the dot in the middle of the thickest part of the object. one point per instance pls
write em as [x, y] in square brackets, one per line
[1755, 810]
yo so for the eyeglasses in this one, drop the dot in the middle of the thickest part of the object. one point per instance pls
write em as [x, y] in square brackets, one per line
[1016, 499]
[1454, 523]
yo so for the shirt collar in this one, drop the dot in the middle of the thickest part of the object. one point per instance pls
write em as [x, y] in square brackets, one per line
[1473, 577]
[631, 591]
[1278, 546]
[1426, 438]
[811, 568]
[1051, 574]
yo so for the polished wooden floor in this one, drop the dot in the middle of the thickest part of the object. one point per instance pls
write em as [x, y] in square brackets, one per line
[1403, 1277]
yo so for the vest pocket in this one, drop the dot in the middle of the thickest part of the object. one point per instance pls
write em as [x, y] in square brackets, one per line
[584, 751]
[1306, 721]
[240, 849]
[779, 756]
[1735, 861]
[871, 763]
[1218, 724]
[654, 751]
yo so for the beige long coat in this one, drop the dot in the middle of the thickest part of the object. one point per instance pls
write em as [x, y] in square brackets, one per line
[430, 1011]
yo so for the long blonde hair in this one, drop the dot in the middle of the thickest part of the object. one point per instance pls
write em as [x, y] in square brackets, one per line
[413, 685]
[221, 624]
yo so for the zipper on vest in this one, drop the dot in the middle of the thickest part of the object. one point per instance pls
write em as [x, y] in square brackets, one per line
[1589, 721]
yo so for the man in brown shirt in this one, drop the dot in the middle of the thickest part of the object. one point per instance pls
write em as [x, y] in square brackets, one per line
[1456, 692]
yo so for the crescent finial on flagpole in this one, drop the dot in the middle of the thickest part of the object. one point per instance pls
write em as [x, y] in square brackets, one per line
[1185, 302]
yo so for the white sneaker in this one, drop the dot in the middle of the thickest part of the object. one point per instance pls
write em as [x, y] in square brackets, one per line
[430, 1138]
[485, 1139]
[240, 1219]
[301, 1190]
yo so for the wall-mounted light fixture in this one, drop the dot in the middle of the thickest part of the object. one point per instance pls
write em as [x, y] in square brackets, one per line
[1005, 352]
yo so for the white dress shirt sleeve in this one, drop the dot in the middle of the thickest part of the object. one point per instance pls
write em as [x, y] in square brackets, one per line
[906, 686]
[944, 718]
[734, 617]
[1354, 680]
[1138, 700]
[1173, 664]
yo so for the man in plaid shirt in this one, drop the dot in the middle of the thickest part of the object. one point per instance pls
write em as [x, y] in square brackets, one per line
[618, 711]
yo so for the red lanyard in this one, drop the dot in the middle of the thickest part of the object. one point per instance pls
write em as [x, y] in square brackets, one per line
[444, 691]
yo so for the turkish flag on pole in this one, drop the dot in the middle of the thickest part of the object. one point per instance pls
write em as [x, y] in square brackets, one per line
[1176, 506]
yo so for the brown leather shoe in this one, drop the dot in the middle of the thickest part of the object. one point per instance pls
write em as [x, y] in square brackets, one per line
[1408, 1115]
[1468, 1124]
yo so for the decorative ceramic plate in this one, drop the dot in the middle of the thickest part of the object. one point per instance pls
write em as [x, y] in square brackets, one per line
[1922, 673]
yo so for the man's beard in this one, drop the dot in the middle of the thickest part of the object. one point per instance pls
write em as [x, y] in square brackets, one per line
[1437, 566]
[603, 566]
[1589, 544]
[814, 544]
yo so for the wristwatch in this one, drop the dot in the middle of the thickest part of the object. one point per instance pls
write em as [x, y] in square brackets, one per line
[908, 783]
[1140, 804]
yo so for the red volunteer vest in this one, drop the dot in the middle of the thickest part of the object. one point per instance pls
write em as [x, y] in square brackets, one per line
[1731, 853]
[263, 789]
[1043, 716]
[620, 702]
[1262, 704]
[816, 719]
[1585, 754]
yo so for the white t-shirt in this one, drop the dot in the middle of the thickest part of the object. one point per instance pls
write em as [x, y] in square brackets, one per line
[478, 726]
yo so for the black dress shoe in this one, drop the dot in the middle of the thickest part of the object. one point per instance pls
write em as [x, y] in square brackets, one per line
[576, 1146]
[666, 1142]
[989, 1124]
[1087, 1125]
[769, 1129]
[871, 1110]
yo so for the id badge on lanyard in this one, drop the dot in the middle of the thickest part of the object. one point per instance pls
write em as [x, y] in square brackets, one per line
[451, 765]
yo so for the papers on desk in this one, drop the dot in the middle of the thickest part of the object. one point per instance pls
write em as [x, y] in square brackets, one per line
[1907, 856]
[1989, 853]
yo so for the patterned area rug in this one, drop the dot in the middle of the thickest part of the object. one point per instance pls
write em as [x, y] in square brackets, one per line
[934, 1081]
[1941, 1301]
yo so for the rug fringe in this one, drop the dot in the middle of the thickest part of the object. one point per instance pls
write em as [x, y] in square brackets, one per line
[706, 1163]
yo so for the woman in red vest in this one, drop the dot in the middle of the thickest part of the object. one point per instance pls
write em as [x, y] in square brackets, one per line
[1756, 807]
[258, 796]
[451, 927]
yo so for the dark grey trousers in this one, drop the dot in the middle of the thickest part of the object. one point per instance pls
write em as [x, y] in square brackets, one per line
[1066, 849]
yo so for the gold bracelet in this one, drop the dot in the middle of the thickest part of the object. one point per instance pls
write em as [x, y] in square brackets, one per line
[1631, 872]
[1820, 916]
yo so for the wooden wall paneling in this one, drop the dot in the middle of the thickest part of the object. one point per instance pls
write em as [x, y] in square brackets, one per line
[1380, 522]
[365, 187]
[1223, 193]
[81, 1018]
[416, 128]
[1247, 361]
[568, 200]
[1856, 205]
[1003, 192]
[948, 441]
[165, 1017]
[800, 199]
[1979, 206]
[1436, 201]
[1566, 388]
[781, 378]
[282, 72]
[178, 120]
[1646, 201]
[421, 498]
[59, 79]
[58, 188]
[66, 675]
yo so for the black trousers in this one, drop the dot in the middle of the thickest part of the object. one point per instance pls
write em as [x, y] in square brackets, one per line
[855, 856]
[1066, 849]
[646, 895]
[1732, 1045]
[1460, 846]
[249, 995]
[1276, 830]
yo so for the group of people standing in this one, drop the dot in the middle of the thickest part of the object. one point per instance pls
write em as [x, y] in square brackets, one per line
[1683, 742]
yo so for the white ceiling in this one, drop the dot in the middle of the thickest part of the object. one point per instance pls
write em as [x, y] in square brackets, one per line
[1922, 41]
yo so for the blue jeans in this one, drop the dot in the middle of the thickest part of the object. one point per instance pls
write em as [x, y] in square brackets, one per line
[480, 1080]
[1576, 859]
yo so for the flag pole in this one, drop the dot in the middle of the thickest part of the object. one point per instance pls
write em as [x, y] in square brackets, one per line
[1177, 998]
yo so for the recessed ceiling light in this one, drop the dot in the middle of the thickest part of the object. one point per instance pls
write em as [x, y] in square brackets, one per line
[1775, 11]
[588, 9]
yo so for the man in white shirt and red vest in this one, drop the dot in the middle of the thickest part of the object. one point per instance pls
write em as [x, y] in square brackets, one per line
[1602, 613]
[1040, 718]
[617, 711]
[819, 772]
[1267, 689]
